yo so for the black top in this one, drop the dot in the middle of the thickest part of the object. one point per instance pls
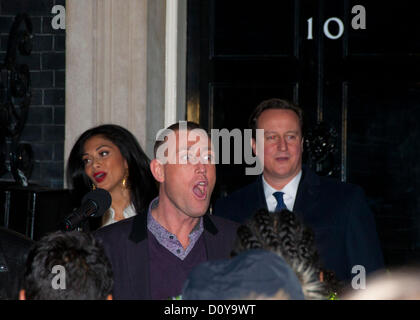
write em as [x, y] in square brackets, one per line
[14, 248]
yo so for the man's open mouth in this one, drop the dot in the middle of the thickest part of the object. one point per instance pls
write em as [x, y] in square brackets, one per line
[200, 189]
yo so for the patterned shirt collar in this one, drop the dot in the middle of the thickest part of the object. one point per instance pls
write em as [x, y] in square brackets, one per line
[167, 239]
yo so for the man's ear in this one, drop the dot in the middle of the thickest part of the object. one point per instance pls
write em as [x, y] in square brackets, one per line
[253, 146]
[302, 144]
[157, 170]
[22, 295]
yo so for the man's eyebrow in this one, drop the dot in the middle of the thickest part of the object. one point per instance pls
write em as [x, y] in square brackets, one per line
[204, 149]
[289, 131]
[208, 149]
[183, 149]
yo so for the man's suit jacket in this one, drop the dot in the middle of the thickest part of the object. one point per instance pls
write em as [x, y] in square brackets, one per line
[344, 226]
[126, 245]
[14, 249]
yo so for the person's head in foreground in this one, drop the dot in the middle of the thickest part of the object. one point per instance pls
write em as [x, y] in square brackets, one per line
[402, 283]
[284, 234]
[251, 275]
[67, 266]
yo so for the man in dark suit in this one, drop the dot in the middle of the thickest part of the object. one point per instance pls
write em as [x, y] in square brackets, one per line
[152, 253]
[344, 227]
[14, 249]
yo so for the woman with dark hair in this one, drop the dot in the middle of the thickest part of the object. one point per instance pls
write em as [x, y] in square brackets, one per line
[110, 157]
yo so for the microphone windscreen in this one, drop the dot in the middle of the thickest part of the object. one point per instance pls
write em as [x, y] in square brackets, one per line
[101, 197]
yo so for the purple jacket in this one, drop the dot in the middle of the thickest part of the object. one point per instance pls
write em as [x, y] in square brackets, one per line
[126, 245]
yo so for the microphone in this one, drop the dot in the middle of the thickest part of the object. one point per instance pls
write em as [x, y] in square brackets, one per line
[94, 204]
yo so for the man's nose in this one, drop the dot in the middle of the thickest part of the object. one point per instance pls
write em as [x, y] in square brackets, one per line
[282, 144]
[200, 168]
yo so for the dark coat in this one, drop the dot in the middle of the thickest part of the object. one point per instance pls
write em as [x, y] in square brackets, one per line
[344, 226]
[14, 249]
[126, 245]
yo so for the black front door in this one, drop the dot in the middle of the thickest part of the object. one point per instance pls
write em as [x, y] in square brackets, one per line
[353, 65]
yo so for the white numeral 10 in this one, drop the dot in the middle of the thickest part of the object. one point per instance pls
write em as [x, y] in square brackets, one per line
[358, 22]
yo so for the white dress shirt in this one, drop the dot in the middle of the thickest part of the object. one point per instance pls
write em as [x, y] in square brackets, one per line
[289, 191]
[109, 215]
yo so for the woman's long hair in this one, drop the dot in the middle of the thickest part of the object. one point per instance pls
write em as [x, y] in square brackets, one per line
[140, 180]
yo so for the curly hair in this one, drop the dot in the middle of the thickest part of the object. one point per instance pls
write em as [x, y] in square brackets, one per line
[88, 272]
[283, 233]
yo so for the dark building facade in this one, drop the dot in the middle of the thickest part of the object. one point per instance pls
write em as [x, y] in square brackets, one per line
[44, 128]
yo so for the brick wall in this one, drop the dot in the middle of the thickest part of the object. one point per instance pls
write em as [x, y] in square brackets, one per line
[44, 128]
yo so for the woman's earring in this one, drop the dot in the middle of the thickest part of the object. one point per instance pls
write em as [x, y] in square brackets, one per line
[125, 182]
[93, 187]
